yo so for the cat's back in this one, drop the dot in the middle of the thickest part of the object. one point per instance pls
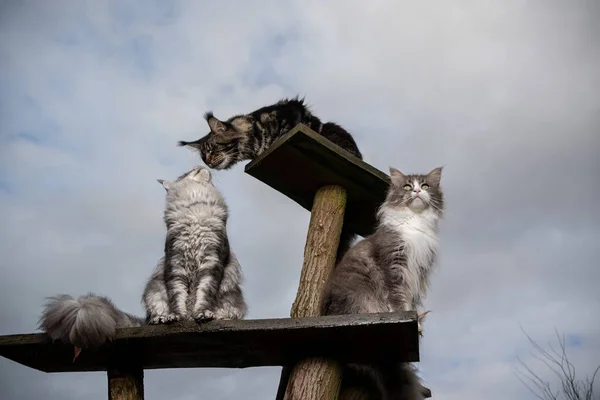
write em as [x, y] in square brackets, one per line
[359, 260]
[340, 136]
[200, 211]
[357, 284]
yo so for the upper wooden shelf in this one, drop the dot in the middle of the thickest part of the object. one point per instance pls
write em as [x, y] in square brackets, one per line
[302, 161]
[230, 344]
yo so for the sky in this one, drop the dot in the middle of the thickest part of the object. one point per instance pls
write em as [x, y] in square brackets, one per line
[94, 96]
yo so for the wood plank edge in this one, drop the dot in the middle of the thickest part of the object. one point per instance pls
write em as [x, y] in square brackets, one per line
[248, 325]
[336, 149]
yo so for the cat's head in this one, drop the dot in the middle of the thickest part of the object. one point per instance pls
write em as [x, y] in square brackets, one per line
[415, 191]
[188, 184]
[220, 148]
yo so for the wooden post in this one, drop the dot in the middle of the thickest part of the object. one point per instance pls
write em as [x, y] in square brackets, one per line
[317, 378]
[125, 383]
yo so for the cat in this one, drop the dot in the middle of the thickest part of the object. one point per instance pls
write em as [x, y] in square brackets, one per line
[389, 271]
[201, 274]
[247, 136]
[197, 259]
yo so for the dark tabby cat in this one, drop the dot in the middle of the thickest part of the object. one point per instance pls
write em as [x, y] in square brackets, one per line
[246, 136]
[389, 271]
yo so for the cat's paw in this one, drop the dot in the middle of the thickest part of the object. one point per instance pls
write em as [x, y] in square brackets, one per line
[164, 319]
[204, 316]
[229, 313]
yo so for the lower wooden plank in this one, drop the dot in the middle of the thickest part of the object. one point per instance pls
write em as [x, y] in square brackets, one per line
[231, 344]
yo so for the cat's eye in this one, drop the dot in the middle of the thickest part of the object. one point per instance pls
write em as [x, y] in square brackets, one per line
[406, 187]
[425, 186]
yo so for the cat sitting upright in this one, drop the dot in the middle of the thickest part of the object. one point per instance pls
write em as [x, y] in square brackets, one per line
[389, 271]
[246, 136]
[199, 278]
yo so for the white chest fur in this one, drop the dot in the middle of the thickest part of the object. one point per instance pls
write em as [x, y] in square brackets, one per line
[418, 234]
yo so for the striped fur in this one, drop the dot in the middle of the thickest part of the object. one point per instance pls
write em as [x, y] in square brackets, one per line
[246, 136]
[198, 278]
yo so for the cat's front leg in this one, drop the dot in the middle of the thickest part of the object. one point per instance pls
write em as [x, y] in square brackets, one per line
[206, 291]
[400, 302]
[155, 297]
[157, 307]
[177, 283]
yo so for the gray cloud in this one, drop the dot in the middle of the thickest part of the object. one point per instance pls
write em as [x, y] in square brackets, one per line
[95, 96]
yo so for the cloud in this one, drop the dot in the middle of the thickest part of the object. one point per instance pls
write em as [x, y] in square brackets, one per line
[94, 96]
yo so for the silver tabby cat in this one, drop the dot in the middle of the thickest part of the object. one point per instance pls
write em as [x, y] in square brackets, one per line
[389, 271]
[198, 278]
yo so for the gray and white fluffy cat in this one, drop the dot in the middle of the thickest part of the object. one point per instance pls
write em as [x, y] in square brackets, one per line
[389, 271]
[199, 277]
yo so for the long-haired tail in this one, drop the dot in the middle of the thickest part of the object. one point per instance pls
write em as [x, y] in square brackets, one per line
[87, 321]
[391, 382]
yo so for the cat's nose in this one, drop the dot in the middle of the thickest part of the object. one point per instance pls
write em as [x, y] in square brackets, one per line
[417, 191]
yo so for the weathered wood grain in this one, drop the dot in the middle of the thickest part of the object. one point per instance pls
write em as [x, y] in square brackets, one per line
[318, 378]
[302, 161]
[322, 241]
[314, 379]
[125, 383]
[230, 344]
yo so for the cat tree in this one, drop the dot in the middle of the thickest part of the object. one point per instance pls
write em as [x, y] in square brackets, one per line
[338, 189]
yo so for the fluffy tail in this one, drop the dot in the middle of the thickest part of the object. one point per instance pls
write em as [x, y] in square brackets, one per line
[390, 382]
[87, 321]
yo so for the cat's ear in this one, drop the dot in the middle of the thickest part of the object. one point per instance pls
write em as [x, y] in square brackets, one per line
[435, 176]
[214, 124]
[397, 177]
[165, 184]
[205, 175]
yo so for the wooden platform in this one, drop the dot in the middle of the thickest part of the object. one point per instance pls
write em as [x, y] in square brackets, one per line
[230, 344]
[302, 161]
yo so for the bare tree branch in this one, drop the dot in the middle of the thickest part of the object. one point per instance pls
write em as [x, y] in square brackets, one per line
[557, 361]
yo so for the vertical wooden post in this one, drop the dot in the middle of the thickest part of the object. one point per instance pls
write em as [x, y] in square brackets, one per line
[125, 383]
[317, 378]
